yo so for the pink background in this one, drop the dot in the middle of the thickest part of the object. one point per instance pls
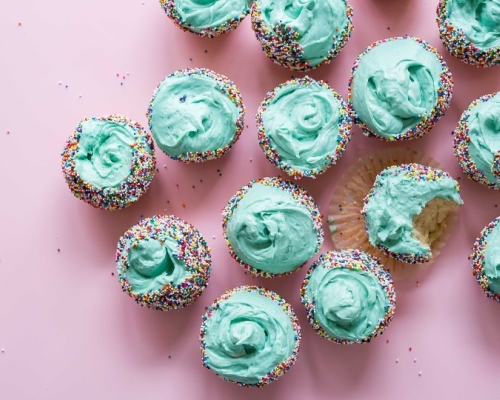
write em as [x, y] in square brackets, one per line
[67, 330]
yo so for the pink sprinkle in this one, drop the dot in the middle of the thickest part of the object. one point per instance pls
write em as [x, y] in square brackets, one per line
[409, 349]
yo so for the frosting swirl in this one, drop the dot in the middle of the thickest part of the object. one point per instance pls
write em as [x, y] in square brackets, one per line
[202, 14]
[492, 260]
[190, 113]
[315, 25]
[478, 19]
[104, 155]
[301, 123]
[270, 231]
[246, 336]
[398, 194]
[153, 263]
[395, 86]
[350, 303]
[484, 133]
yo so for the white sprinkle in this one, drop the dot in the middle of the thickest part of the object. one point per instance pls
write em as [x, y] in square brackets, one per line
[414, 360]
[80, 95]
[213, 237]
[397, 360]
[60, 83]
[3, 350]
[251, 160]
[419, 373]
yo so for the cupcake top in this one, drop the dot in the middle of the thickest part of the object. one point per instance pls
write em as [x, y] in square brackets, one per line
[486, 259]
[303, 127]
[477, 140]
[398, 195]
[109, 161]
[163, 262]
[272, 227]
[207, 18]
[249, 336]
[349, 297]
[479, 20]
[196, 115]
[302, 35]
[397, 88]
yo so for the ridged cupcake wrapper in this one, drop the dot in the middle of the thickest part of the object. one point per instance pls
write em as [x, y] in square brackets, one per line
[347, 225]
[459, 46]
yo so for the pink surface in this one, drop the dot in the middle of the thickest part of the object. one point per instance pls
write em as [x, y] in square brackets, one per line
[67, 330]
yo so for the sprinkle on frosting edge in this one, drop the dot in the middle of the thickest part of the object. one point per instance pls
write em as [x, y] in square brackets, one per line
[132, 188]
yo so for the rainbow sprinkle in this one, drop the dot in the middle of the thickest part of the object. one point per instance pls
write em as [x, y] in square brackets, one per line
[193, 251]
[142, 168]
[444, 94]
[299, 194]
[356, 260]
[272, 154]
[459, 45]
[282, 367]
[227, 88]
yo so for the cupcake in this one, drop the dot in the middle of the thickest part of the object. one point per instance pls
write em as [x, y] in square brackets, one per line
[249, 336]
[486, 260]
[163, 263]
[207, 19]
[349, 297]
[406, 209]
[303, 127]
[302, 36]
[272, 227]
[399, 88]
[415, 202]
[108, 161]
[470, 30]
[196, 115]
[477, 143]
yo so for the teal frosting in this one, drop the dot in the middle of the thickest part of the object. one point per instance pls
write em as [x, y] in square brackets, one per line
[398, 195]
[491, 264]
[153, 264]
[478, 19]
[203, 14]
[189, 114]
[349, 303]
[270, 231]
[247, 336]
[301, 122]
[318, 24]
[484, 133]
[104, 155]
[395, 86]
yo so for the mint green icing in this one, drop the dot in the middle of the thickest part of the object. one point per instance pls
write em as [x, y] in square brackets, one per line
[478, 19]
[270, 231]
[190, 114]
[203, 14]
[395, 86]
[153, 264]
[247, 336]
[318, 24]
[491, 264]
[484, 133]
[349, 303]
[104, 154]
[301, 122]
[399, 195]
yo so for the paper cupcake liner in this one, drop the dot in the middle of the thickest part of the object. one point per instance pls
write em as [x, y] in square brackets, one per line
[347, 225]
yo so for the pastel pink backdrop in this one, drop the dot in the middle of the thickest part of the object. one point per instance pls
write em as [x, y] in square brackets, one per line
[66, 329]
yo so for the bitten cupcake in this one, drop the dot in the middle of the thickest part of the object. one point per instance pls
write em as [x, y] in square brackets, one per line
[272, 227]
[207, 19]
[349, 297]
[163, 263]
[303, 127]
[399, 88]
[406, 209]
[470, 30]
[249, 336]
[486, 260]
[196, 115]
[302, 35]
[108, 161]
[477, 140]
